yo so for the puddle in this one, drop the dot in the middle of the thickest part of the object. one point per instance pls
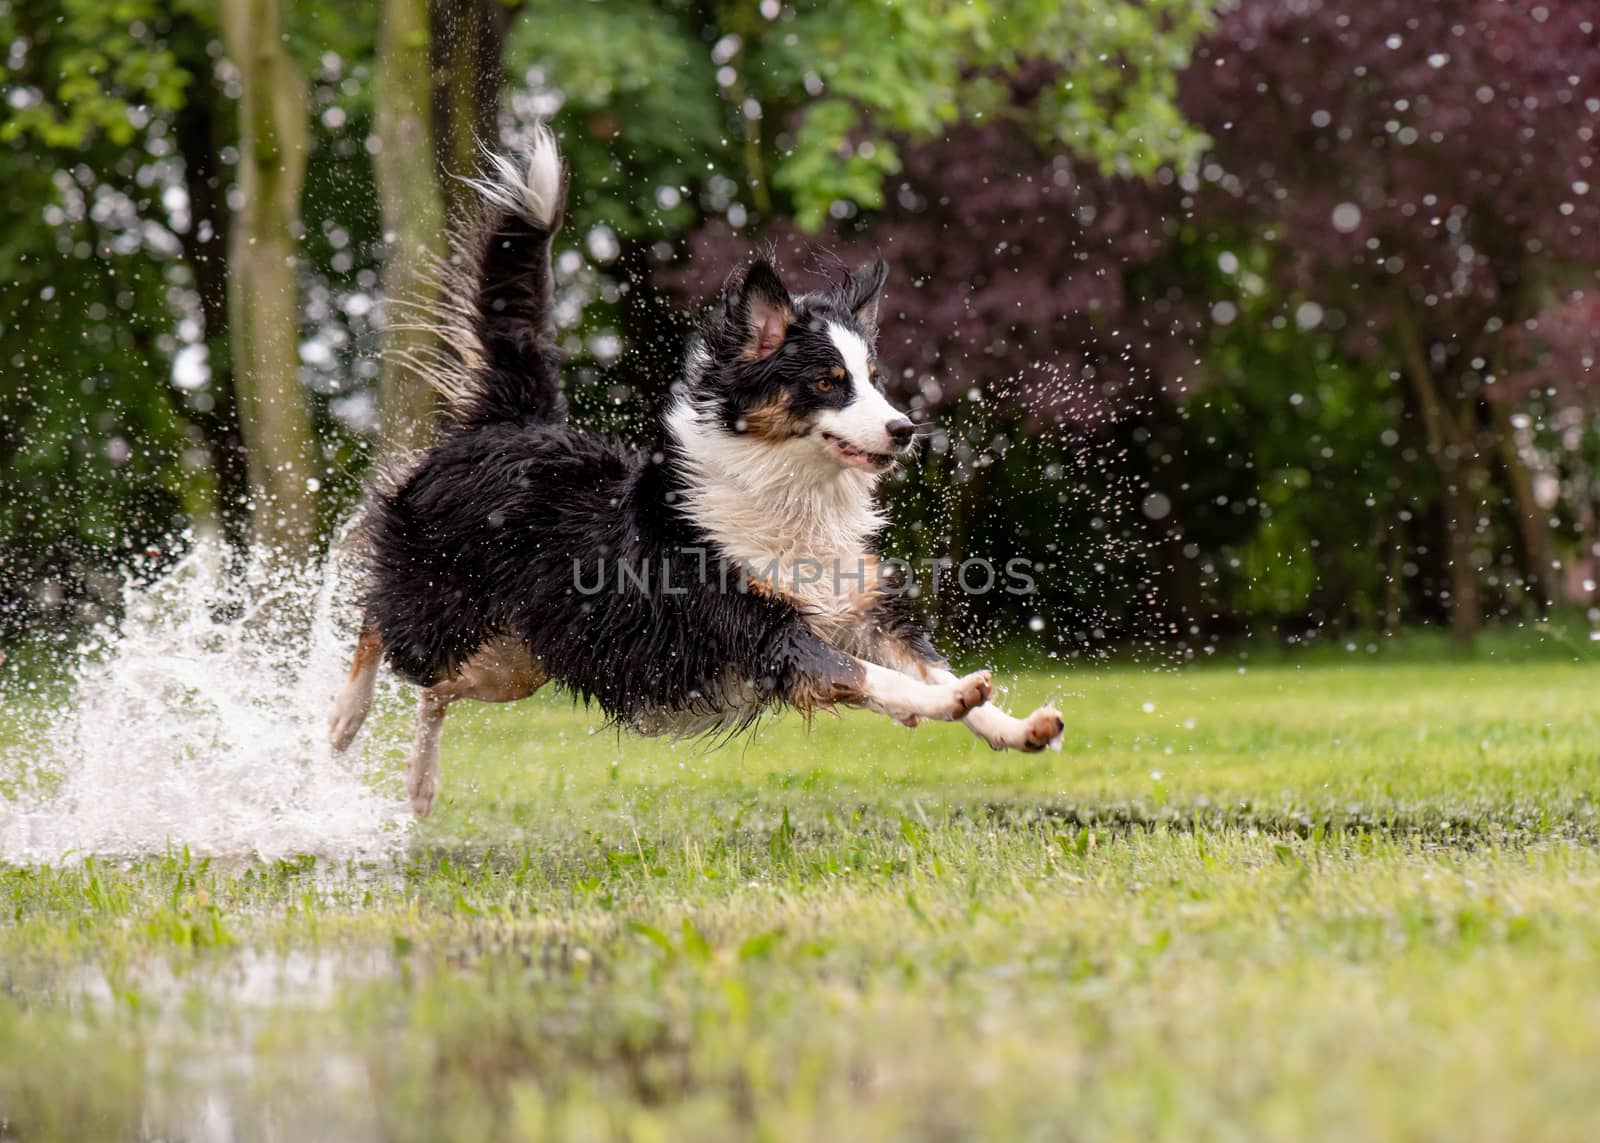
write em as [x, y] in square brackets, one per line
[234, 1047]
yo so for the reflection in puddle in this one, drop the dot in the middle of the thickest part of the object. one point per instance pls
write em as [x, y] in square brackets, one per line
[243, 1046]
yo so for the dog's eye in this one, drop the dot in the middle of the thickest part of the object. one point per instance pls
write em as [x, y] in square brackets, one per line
[824, 384]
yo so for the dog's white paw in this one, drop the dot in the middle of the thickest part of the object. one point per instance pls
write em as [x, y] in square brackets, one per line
[1043, 728]
[969, 692]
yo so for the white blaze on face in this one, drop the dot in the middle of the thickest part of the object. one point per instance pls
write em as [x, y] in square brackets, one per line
[864, 421]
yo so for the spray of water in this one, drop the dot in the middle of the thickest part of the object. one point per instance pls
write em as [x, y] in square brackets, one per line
[200, 722]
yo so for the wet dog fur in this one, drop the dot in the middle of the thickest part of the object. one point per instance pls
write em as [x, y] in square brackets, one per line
[478, 560]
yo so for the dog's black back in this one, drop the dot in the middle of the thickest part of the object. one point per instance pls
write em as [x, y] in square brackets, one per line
[572, 544]
[516, 523]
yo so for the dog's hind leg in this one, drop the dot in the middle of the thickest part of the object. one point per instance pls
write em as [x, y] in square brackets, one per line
[501, 671]
[355, 697]
[422, 768]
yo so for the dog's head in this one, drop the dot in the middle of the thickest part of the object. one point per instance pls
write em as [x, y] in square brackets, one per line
[800, 373]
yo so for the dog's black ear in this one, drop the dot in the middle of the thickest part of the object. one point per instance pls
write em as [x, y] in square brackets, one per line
[864, 290]
[757, 307]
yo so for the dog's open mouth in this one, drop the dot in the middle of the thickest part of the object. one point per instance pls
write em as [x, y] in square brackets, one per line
[859, 457]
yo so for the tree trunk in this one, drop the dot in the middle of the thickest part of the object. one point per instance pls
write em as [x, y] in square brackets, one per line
[1461, 522]
[1453, 450]
[468, 44]
[1186, 597]
[1533, 528]
[263, 301]
[413, 219]
[1394, 587]
[201, 135]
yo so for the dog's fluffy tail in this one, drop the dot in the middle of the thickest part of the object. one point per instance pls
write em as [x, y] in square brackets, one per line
[494, 316]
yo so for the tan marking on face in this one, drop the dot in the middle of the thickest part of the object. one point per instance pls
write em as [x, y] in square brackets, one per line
[838, 372]
[774, 421]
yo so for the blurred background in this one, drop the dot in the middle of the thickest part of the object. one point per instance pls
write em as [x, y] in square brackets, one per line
[1271, 318]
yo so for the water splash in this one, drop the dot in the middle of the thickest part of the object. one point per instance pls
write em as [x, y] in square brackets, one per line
[203, 726]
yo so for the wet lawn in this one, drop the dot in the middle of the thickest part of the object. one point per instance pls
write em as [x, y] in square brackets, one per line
[1322, 899]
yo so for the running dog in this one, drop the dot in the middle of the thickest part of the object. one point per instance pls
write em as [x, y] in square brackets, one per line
[686, 587]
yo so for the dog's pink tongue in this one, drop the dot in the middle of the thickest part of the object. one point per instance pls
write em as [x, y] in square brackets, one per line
[852, 454]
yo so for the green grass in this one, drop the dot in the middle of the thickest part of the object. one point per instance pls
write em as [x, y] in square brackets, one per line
[1310, 899]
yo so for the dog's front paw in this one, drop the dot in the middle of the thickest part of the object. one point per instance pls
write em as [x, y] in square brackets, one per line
[970, 692]
[1043, 728]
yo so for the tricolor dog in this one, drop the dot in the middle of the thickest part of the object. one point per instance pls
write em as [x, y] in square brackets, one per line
[734, 558]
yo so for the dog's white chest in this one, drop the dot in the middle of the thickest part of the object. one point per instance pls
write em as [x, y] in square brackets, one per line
[787, 516]
[827, 581]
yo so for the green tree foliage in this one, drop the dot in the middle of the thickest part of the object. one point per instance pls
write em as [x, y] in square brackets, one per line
[1057, 230]
[639, 97]
[674, 114]
[113, 268]
[97, 68]
[864, 76]
[97, 468]
[813, 101]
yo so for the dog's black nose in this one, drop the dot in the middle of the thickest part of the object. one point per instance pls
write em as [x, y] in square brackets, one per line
[900, 431]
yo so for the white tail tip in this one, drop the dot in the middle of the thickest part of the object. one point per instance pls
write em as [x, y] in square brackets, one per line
[531, 187]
